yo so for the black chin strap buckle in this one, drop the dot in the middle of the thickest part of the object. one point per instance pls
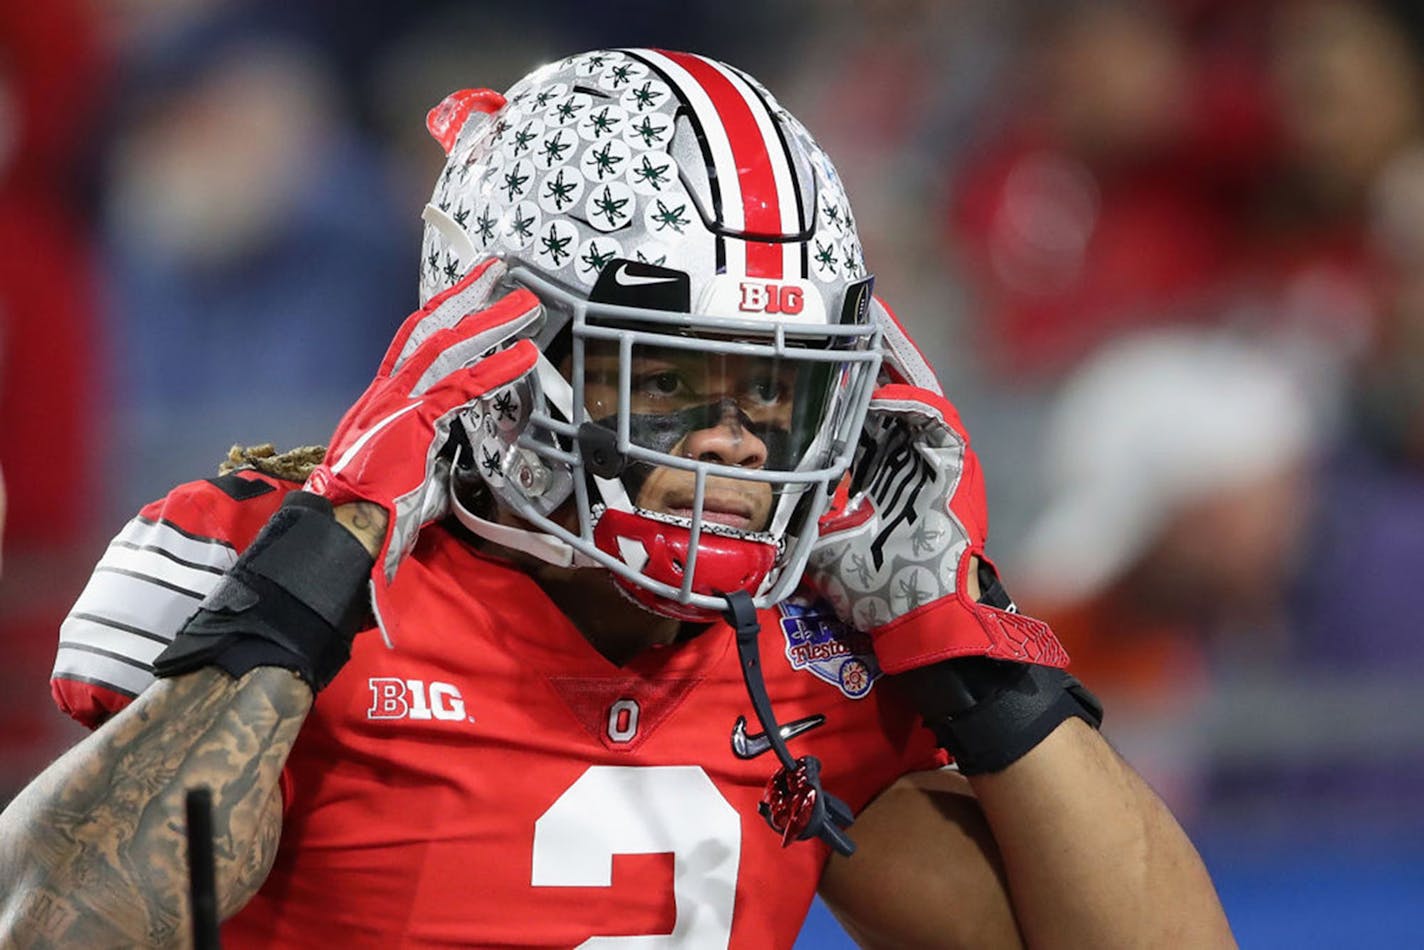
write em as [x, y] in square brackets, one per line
[794, 803]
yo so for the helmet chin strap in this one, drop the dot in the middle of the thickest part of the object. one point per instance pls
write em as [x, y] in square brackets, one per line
[545, 547]
[794, 803]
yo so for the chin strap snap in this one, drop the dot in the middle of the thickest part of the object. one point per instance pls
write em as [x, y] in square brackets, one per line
[794, 803]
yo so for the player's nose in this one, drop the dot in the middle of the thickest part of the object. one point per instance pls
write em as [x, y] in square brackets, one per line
[729, 442]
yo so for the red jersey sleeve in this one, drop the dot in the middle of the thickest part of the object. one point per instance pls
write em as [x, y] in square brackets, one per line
[150, 580]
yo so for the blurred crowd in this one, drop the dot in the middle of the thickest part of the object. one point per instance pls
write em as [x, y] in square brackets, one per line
[1168, 257]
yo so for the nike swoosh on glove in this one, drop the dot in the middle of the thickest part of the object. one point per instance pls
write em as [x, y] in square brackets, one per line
[894, 561]
[386, 449]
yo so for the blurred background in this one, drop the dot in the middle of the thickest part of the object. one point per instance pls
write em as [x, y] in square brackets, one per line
[1167, 256]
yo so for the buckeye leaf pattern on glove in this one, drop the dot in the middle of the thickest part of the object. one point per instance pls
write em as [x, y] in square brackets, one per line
[445, 356]
[894, 560]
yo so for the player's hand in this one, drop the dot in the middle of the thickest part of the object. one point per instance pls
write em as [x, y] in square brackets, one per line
[895, 560]
[385, 451]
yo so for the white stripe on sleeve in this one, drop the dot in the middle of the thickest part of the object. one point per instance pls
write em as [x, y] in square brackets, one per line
[150, 580]
[139, 602]
[163, 568]
[85, 631]
[177, 544]
[120, 675]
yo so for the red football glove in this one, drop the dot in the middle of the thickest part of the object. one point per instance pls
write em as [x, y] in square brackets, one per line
[894, 561]
[445, 356]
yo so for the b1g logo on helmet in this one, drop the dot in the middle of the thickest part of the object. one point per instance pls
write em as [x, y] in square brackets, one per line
[759, 297]
[789, 299]
[817, 641]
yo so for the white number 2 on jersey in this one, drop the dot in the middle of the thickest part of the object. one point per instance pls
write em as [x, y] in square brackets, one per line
[647, 810]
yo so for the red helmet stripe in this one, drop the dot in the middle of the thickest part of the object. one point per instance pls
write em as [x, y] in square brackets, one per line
[756, 178]
[783, 170]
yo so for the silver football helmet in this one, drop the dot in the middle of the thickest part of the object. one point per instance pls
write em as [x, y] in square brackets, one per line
[708, 348]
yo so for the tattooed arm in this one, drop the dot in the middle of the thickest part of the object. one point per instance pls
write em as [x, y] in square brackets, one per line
[93, 852]
[94, 848]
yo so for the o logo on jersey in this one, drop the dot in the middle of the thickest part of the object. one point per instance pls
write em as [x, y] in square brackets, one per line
[395, 698]
[623, 720]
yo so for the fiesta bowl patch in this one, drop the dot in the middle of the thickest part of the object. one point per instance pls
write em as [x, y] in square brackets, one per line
[817, 641]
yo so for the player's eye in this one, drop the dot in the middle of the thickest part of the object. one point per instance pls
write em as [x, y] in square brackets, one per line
[660, 384]
[766, 390]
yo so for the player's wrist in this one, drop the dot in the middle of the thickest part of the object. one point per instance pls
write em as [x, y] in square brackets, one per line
[294, 599]
[988, 714]
[366, 520]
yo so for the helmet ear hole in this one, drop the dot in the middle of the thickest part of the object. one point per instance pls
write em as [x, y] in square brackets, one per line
[465, 481]
[457, 449]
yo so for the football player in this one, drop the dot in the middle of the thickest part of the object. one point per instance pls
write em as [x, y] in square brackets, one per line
[640, 596]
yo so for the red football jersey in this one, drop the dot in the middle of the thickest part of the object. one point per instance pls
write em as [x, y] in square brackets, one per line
[495, 781]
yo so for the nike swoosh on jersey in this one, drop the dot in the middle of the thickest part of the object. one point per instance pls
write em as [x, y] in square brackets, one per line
[747, 745]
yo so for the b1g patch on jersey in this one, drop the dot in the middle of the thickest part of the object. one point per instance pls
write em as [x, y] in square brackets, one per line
[816, 640]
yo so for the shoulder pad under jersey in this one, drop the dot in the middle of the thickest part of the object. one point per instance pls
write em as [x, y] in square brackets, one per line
[149, 581]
